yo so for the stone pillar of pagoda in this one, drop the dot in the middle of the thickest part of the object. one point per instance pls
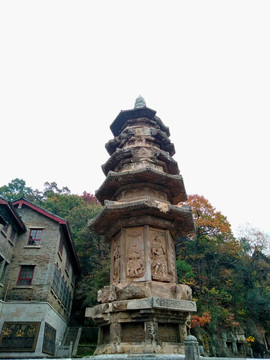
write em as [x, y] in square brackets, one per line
[144, 309]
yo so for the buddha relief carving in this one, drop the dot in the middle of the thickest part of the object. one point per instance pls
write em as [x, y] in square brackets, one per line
[159, 259]
[135, 258]
[116, 263]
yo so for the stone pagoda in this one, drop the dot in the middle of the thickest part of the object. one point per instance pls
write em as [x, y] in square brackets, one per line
[144, 310]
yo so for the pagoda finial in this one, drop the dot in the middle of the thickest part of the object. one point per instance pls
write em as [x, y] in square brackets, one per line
[139, 103]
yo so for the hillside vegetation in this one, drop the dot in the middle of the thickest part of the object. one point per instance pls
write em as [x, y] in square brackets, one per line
[229, 277]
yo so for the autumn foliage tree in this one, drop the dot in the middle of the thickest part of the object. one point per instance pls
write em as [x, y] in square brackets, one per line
[197, 320]
[212, 252]
[207, 219]
[229, 277]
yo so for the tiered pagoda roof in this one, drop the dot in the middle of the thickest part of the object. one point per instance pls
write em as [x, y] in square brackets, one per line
[141, 158]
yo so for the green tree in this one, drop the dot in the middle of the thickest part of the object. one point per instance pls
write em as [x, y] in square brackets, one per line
[16, 189]
[94, 255]
[231, 279]
[184, 272]
[62, 205]
[51, 188]
[212, 253]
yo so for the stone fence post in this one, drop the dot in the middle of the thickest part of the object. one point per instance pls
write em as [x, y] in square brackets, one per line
[191, 348]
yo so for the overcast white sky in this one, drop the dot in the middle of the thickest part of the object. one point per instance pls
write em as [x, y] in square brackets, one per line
[67, 68]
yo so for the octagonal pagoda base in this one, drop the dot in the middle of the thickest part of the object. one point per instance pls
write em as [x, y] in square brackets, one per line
[140, 326]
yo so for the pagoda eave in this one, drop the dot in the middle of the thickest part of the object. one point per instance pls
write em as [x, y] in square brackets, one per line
[161, 138]
[122, 156]
[178, 220]
[114, 180]
[125, 115]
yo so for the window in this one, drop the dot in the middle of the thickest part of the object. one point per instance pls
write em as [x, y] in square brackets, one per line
[3, 269]
[4, 272]
[5, 227]
[26, 275]
[61, 246]
[34, 237]
[61, 290]
[12, 235]
[73, 279]
[67, 266]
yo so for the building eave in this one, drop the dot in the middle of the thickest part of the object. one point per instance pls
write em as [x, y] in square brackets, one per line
[12, 211]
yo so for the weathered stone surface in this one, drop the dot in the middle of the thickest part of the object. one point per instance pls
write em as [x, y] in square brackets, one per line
[143, 310]
[146, 351]
[173, 304]
[125, 117]
[157, 136]
[115, 180]
[142, 356]
[140, 290]
[110, 219]
[106, 311]
[129, 160]
[192, 348]
[183, 292]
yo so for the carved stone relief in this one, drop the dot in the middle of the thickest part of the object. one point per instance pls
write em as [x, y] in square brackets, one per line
[116, 260]
[135, 256]
[171, 259]
[159, 258]
[152, 330]
[138, 193]
[141, 164]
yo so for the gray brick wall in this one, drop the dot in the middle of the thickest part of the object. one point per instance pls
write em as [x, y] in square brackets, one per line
[45, 257]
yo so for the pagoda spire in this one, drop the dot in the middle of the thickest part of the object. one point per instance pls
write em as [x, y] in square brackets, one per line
[139, 103]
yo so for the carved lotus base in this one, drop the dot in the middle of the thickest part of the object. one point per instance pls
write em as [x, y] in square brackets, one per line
[149, 325]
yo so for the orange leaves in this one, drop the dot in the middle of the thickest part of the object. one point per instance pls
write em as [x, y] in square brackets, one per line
[207, 218]
[197, 320]
[250, 340]
[231, 321]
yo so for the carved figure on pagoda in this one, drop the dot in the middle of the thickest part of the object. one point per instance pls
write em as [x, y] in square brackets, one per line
[135, 263]
[159, 259]
[116, 263]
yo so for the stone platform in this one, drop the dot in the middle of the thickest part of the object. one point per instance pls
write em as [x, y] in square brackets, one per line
[150, 325]
[137, 357]
[141, 357]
